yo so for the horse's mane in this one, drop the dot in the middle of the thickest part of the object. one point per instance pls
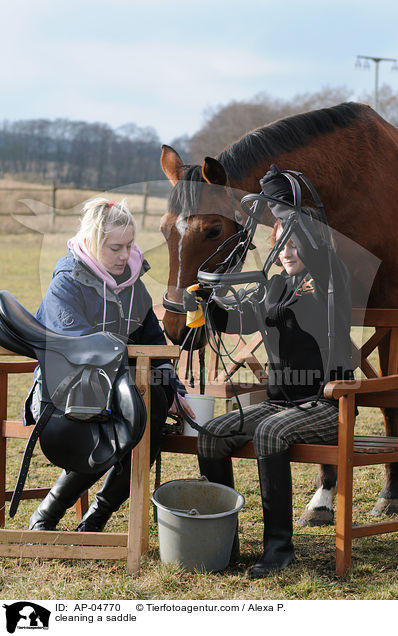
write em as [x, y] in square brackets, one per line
[284, 135]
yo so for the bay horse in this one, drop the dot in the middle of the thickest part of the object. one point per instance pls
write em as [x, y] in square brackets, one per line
[350, 155]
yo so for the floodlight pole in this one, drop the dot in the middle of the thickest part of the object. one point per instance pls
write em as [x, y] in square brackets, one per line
[377, 61]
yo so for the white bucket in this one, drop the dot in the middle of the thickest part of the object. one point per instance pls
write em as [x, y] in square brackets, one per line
[197, 521]
[203, 407]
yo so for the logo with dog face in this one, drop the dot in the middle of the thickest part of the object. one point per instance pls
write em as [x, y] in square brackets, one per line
[26, 615]
[306, 288]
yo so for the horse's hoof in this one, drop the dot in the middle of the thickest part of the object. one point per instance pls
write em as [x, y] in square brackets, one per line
[317, 517]
[385, 507]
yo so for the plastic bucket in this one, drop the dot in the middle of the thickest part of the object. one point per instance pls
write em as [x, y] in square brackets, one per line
[203, 406]
[197, 520]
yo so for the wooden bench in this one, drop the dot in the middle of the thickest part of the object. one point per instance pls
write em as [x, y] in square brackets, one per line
[82, 545]
[352, 450]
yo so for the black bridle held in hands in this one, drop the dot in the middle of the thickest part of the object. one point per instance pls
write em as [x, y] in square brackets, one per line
[218, 285]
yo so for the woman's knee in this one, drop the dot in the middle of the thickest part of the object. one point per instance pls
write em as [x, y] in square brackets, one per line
[212, 439]
[268, 439]
[211, 446]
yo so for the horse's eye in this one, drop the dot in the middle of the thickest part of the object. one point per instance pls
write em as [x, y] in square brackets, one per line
[214, 232]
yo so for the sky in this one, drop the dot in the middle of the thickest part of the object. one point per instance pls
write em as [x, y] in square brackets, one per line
[165, 64]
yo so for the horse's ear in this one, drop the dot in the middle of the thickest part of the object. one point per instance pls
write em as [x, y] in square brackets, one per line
[213, 172]
[172, 164]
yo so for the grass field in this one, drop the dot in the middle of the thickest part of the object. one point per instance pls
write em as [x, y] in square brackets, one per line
[26, 264]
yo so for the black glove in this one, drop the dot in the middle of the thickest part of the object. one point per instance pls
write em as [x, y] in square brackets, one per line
[275, 184]
[190, 298]
[272, 174]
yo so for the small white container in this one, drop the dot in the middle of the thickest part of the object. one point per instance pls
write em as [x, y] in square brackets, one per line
[203, 407]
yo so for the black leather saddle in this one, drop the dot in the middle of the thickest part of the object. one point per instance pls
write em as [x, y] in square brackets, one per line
[91, 413]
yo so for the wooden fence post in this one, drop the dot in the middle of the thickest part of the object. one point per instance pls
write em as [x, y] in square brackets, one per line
[53, 206]
[145, 205]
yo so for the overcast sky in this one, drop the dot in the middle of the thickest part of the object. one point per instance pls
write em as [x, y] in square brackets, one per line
[162, 64]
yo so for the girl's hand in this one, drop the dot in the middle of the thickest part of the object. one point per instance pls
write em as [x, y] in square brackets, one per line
[174, 407]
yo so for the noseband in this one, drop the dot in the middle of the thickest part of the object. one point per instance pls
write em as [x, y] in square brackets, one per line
[173, 306]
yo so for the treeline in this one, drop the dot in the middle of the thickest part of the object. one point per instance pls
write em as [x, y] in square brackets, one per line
[78, 153]
[82, 154]
[226, 123]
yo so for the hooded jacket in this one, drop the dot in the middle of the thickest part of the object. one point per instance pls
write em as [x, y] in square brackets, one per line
[82, 298]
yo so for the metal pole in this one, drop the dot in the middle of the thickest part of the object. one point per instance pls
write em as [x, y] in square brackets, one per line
[377, 61]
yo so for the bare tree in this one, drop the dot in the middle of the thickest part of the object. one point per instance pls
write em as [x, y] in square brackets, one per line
[224, 124]
[388, 103]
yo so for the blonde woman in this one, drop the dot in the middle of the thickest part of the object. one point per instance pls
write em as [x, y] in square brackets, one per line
[97, 286]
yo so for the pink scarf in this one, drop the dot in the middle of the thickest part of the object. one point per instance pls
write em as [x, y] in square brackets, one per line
[79, 248]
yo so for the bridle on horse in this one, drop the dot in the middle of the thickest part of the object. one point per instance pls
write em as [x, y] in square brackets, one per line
[228, 274]
[235, 258]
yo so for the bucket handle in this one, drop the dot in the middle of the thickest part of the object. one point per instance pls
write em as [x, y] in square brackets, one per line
[192, 513]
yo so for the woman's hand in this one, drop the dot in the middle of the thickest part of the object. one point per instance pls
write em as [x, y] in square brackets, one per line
[174, 407]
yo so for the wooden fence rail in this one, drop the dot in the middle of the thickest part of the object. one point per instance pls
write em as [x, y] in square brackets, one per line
[146, 191]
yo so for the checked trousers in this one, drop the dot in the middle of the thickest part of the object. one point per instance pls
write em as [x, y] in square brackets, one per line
[272, 427]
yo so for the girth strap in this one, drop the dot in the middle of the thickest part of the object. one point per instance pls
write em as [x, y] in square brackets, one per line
[27, 456]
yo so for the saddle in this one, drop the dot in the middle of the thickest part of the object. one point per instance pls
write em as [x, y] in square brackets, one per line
[91, 414]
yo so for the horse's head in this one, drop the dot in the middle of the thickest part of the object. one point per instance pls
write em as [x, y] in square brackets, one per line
[202, 214]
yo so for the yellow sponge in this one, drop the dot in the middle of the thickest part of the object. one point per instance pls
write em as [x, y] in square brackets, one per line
[195, 318]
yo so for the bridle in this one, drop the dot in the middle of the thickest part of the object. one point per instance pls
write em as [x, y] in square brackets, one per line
[234, 259]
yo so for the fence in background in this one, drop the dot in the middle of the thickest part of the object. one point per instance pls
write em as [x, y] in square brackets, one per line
[148, 190]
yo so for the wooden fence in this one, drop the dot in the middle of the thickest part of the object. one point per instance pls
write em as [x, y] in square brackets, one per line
[157, 191]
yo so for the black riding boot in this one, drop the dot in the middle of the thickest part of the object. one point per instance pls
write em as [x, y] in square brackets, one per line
[115, 490]
[65, 492]
[220, 471]
[276, 494]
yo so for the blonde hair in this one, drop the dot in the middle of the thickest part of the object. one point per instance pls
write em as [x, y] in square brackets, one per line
[99, 217]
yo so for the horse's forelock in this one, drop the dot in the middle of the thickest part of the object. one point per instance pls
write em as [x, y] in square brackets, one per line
[184, 196]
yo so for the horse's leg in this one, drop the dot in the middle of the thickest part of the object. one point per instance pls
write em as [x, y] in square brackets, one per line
[387, 502]
[319, 511]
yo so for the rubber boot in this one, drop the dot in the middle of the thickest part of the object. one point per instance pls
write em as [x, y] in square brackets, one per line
[114, 492]
[276, 495]
[64, 494]
[220, 471]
